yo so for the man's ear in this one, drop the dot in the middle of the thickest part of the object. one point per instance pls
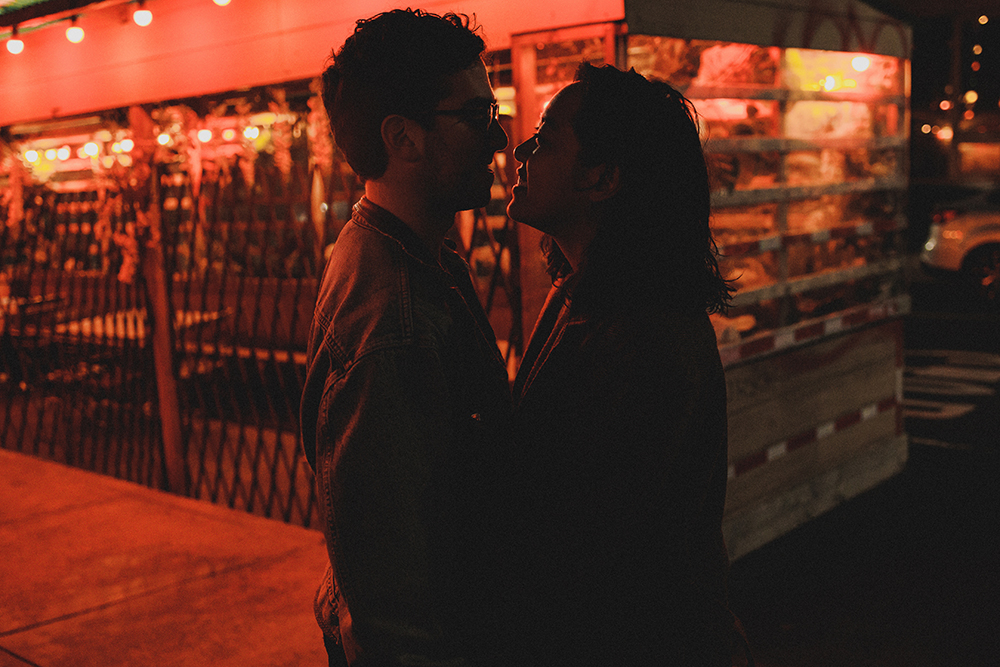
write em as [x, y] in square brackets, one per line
[603, 181]
[403, 138]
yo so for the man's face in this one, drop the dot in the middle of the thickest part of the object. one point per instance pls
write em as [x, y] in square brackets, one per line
[549, 194]
[462, 142]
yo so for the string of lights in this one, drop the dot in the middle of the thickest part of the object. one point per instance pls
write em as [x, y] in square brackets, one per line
[142, 15]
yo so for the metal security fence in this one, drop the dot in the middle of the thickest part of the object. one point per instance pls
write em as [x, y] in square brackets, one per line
[78, 382]
[155, 318]
[74, 363]
[245, 260]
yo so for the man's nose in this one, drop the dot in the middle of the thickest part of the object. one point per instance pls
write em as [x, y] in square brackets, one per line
[498, 136]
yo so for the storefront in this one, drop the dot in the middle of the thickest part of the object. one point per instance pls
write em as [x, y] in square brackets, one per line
[805, 114]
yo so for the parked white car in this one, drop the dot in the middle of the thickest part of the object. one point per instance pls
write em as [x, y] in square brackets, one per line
[965, 238]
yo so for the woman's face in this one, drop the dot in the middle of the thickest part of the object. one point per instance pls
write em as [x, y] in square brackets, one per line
[549, 194]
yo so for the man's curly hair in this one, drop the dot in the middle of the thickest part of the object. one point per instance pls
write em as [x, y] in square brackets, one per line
[395, 62]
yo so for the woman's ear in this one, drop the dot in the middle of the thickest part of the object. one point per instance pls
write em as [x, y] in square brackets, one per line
[606, 182]
[403, 138]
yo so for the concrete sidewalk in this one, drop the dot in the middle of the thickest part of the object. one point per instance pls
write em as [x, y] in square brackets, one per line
[97, 571]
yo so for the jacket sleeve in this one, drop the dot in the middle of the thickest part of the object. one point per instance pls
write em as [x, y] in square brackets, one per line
[384, 431]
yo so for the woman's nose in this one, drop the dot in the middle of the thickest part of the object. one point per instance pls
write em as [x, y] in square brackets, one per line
[522, 151]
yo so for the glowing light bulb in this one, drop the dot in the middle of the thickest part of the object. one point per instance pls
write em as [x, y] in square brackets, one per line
[81, 153]
[977, 49]
[51, 154]
[125, 160]
[925, 128]
[163, 139]
[945, 105]
[31, 156]
[251, 132]
[127, 145]
[91, 148]
[946, 134]
[984, 19]
[229, 134]
[221, 3]
[14, 44]
[971, 97]
[861, 63]
[829, 83]
[142, 17]
[74, 33]
[204, 135]
[63, 153]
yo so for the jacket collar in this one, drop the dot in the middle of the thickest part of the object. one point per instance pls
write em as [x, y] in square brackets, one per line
[372, 216]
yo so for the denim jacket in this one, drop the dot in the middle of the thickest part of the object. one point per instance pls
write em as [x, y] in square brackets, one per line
[405, 419]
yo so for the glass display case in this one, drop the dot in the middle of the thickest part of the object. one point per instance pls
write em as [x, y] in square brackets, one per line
[808, 158]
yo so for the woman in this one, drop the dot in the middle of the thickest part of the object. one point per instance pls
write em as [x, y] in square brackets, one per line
[620, 401]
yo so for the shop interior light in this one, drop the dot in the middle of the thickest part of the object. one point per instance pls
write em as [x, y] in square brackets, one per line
[861, 63]
[925, 128]
[163, 139]
[971, 97]
[31, 156]
[229, 134]
[829, 83]
[984, 19]
[946, 133]
[141, 15]
[91, 148]
[51, 154]
[74, 33]
[204, 135]
[251, 132]
[63, 153]
[977, 49]
[127, 145]
[221, 3]
[945, 105]
[14, 44]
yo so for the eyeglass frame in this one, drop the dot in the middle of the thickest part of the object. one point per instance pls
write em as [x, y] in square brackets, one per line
[470, 115]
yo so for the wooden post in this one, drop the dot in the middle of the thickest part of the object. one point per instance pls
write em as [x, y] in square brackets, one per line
[159, 310]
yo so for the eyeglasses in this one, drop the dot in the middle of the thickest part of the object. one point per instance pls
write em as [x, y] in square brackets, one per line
[480, 118]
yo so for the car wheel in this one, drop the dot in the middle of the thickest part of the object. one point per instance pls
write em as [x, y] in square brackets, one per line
[982, 266]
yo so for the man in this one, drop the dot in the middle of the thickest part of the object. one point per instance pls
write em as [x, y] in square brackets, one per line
[406, 405]
[620, 400]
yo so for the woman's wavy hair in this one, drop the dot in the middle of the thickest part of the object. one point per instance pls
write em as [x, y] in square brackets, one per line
[395, 62]
[653, 243]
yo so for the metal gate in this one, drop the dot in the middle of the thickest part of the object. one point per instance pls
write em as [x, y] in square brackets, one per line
[241, 251]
